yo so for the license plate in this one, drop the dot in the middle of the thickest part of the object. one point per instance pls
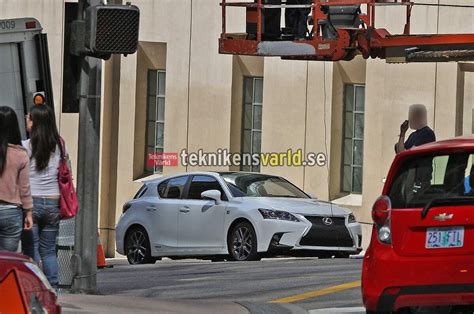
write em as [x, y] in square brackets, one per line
[448, 237]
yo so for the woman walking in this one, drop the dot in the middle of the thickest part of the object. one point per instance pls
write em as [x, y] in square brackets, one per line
[45, 154]
[15, 195]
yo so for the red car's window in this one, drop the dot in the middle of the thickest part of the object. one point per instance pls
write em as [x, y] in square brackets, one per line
[422, 179]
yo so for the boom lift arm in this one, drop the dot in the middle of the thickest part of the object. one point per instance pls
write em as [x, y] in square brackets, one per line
[339, 30]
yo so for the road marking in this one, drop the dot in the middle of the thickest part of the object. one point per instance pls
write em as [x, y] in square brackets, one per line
[339, 310]
[196, 279]
[318, 293]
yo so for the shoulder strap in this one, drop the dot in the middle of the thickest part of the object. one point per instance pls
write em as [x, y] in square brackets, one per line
[62, 148]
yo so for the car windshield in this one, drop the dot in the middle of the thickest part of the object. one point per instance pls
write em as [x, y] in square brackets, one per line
[421, 180]
[259, 185]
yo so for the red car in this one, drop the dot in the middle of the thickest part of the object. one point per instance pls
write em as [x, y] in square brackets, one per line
[24, 288]
[421, 255]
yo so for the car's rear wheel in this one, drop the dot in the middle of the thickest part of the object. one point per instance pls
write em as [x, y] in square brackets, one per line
[242, 243]
[137, 247]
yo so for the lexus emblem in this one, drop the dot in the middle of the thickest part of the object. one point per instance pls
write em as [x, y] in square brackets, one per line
[327, 221]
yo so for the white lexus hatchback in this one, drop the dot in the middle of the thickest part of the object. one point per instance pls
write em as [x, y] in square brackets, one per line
[231, 215]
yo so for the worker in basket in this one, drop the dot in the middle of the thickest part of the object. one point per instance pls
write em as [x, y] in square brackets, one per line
[271, 21]
[296, 19]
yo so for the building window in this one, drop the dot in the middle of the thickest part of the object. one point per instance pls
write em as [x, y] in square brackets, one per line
[252, 119]
[353, 144]
[155, 117]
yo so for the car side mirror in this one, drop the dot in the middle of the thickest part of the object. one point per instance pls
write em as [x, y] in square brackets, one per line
[214, 195]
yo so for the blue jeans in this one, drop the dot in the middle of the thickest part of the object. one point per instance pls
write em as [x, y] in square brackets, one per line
[40, 242]
[11, 225]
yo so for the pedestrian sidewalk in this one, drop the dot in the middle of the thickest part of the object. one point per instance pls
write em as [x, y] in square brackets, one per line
[76, 303]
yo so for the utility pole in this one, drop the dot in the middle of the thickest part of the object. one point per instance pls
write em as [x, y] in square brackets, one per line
[84, 260]
[99, 32]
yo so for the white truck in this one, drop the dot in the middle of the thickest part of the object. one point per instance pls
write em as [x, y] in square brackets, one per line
[24, 65]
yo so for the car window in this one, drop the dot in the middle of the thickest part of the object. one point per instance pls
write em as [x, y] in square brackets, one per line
[423, 179]
[172, 188]
[258, 185]
[141, 192]
[201, 184]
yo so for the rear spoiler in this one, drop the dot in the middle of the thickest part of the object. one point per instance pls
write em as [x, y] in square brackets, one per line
[453, 201]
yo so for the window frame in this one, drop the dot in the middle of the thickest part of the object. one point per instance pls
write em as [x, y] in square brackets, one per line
[353, 113]
[253, 104]
[156, 121]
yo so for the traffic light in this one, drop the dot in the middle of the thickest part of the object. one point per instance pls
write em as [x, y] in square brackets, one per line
[112, 29]
[106, 30]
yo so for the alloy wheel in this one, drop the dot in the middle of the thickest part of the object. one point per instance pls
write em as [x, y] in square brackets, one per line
[242, 243]
[137, 247]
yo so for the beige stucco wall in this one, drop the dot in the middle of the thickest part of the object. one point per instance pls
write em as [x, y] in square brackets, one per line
[302, 100]
[284, 111]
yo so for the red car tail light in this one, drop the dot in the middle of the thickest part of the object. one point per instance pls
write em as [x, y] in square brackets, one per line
[381, 217]
[381, 210]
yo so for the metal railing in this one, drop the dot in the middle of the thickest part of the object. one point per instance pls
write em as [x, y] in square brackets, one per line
[316, 11]
[65, 250]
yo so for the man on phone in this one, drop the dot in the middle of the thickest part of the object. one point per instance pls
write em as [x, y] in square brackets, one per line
[418, 121]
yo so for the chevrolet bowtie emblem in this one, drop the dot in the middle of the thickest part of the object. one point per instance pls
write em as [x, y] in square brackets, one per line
[443, 217]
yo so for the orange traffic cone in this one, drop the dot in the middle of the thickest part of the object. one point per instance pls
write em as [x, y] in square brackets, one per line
[11, 290]
[101, 262]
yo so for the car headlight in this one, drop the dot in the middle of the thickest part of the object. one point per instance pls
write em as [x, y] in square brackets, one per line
[351, 219]
[277, 215]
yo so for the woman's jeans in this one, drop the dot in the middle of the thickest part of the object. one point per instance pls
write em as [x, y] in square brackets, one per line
[11, 226]
[40, 242]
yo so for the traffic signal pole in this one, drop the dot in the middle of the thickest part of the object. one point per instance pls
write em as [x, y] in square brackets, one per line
[84, 260]
[99, 32]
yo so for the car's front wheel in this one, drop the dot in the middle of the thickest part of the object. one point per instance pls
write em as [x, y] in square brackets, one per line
[242, 243]
[137, 247]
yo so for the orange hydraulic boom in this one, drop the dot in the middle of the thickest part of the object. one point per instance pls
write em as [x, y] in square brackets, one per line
[339, 30]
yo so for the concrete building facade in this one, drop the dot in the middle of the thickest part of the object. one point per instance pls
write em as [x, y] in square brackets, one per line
[178, 93]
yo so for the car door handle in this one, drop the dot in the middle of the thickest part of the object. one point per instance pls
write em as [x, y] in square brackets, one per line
[151, 208]
[184, 209]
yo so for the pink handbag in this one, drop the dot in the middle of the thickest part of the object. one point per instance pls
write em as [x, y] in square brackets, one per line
[68, 205]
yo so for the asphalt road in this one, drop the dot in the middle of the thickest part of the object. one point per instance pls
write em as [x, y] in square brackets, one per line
[303, 283]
